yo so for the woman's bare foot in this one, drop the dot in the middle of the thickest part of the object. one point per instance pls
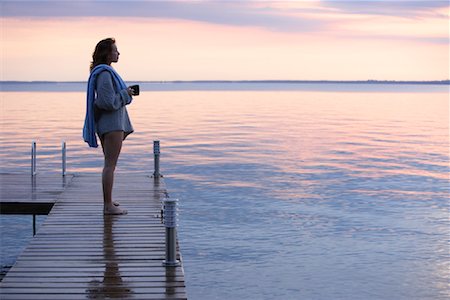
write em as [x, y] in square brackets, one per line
[113, 210]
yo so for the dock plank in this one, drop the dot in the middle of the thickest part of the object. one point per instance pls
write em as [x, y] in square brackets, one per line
[80, 254]
[26, 194]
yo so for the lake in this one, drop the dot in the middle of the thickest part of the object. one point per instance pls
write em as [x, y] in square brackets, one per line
[325, 191]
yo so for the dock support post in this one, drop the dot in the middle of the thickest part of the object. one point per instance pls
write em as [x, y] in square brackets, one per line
[170, 222]
[156, 153]
[33, 158]
[34, 224]
[63, 155]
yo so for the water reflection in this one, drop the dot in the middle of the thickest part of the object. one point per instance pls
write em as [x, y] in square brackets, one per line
[355, 184]
[112, 286]
[171, 279]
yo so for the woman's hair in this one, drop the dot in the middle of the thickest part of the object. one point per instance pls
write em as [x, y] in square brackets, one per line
[102, 52]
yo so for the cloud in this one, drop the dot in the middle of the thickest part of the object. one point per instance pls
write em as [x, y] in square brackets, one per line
[234, 13]
[399, 8]
[420, 21]
[281, 16]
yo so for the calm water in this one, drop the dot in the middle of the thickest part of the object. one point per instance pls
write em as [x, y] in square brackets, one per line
[285, 194]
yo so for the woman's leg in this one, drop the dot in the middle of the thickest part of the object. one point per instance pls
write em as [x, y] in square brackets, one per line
[112, 144]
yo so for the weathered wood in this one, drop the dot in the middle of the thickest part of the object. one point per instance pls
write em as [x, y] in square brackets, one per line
[78, 253]
[100, 295]
[23, 194]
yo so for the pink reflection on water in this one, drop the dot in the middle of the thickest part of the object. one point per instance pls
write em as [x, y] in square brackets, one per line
[378, 162]
[292, 130]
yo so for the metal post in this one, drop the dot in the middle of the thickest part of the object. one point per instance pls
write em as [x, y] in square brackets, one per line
[170, 222]
[156, 152]
[63, 154]
[33, 158]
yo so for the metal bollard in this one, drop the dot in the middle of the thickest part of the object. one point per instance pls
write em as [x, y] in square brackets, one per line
[170, 222]
[156, 152]
[33, 158]
[63, 155]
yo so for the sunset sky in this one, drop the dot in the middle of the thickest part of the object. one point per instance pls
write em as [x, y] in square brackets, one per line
[228, 40]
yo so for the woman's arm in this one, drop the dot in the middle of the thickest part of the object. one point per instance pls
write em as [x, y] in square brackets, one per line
[107, 98]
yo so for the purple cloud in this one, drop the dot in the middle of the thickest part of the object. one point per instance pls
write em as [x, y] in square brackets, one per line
[401, 8]
[242, 13]
[264, 14]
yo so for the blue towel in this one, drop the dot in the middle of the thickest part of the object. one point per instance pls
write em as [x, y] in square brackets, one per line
[89, 122]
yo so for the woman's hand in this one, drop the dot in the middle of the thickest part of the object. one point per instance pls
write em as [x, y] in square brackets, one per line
[130, 91]
[134, 90]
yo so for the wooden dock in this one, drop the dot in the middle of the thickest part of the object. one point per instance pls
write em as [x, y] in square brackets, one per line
[80, 254]
[30, 195]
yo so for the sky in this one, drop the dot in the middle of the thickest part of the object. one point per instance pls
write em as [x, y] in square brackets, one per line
[228, 40]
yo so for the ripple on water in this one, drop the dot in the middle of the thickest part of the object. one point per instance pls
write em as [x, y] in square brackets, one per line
[283, 195]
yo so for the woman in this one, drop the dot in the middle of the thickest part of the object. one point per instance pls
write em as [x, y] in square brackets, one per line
[106, 115]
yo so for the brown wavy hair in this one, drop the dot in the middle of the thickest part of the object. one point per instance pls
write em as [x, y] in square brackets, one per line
[102, 52]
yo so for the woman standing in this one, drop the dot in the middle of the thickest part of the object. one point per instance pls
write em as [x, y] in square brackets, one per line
[106, 115]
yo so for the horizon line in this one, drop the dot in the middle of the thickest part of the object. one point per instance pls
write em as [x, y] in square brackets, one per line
[374, 81]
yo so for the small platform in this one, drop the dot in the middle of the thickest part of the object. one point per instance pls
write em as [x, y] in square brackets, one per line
[30, 195]
[80, 254]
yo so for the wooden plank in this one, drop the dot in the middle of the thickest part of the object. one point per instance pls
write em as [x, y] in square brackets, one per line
[52, 272]
[78, 253]
[168, 295]
[95, 285]
[137, 280]
[24, 194]
[129, 280]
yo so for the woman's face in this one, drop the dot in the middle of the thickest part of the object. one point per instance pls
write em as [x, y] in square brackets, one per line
[114, 54]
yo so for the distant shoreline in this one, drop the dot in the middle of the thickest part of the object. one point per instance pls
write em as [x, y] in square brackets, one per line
[249, 85]
[433, 82]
